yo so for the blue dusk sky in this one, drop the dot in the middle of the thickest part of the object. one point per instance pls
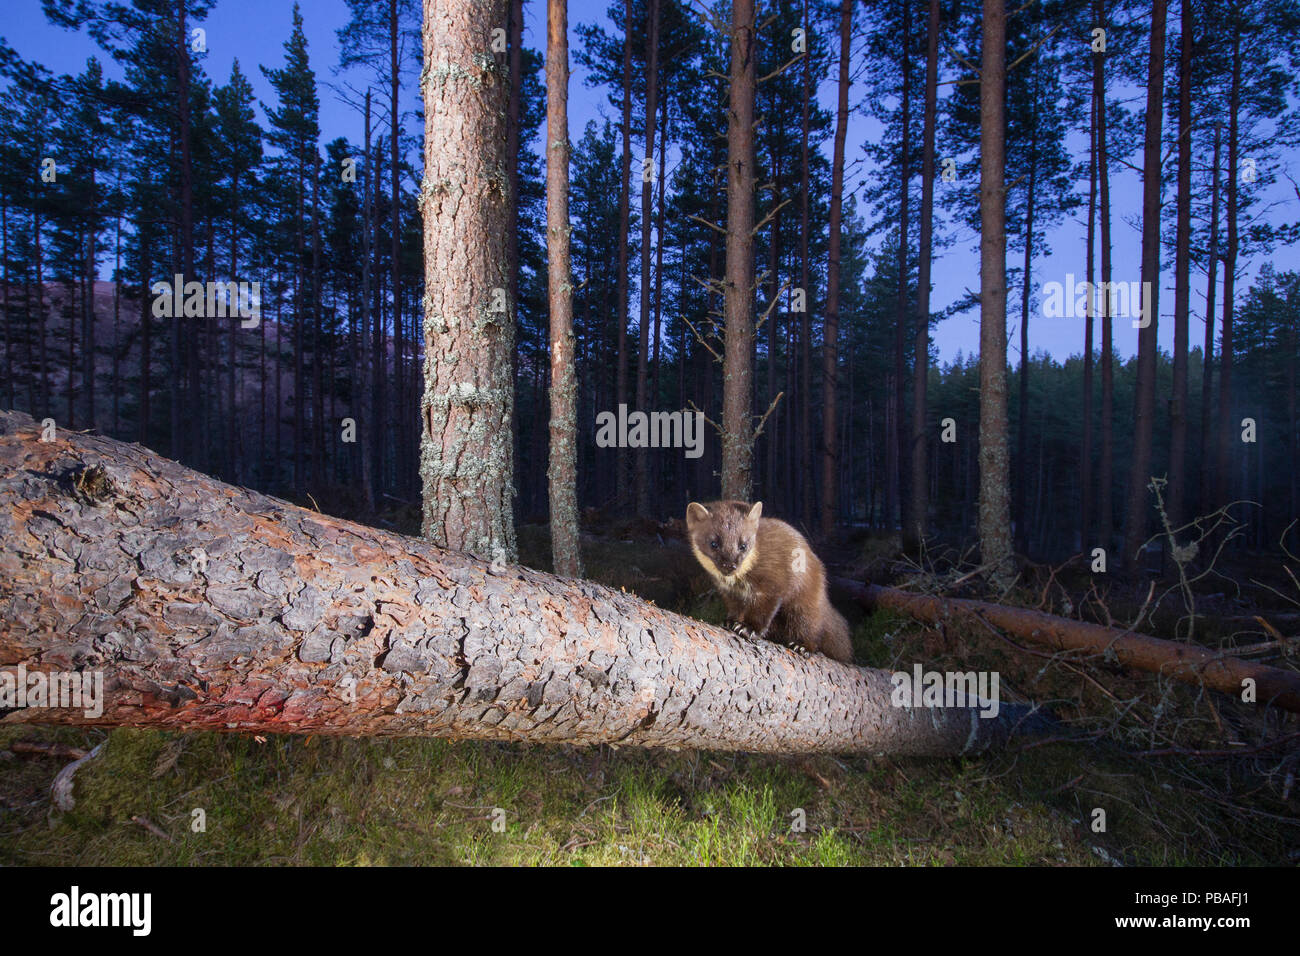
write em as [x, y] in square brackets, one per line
[254, 32]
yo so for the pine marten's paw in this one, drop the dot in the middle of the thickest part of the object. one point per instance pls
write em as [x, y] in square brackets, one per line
[744, 631]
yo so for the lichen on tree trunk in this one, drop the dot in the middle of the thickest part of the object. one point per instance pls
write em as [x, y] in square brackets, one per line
[466, 410]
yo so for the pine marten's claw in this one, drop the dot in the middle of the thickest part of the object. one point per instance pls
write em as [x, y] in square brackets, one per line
[743, 631]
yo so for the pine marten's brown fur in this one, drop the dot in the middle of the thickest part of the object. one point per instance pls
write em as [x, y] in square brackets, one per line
[770, 580]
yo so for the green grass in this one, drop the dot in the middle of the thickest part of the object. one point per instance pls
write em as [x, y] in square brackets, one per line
[374, 802]
[340, 802]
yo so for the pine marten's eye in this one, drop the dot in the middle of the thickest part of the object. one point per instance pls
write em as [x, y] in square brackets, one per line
[715, 544]
[743, 546]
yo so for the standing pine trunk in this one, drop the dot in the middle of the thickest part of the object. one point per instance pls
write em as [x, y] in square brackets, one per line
[317, 305]
[7, 319]
[299, 280]
[71, 312]
[180, 433]
[516, 60]
[1144, 402]
[659, 246]
[1222, 495]
[624, 225]
[403, 447]
[804, 471]
[466, 452]
[1022, 421]
[378, 337]
[914, 533]
[40, 311]
[369, 413]
[146, 339]
[647, 193]
[88, 308]
[115, 379]
[894, 422]
[1085, 449]
[232, 332]
[738, 301]
[562, 473]
[1208, 444]
[829, 431]
[1106, 467]
[1182, 277]
[1292, 357]
[995, 470]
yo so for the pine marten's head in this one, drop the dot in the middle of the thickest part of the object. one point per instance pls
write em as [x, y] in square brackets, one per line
[724, 537]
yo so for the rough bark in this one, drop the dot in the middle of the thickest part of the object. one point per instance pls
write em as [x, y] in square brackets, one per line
[295, 622]
[562, 470]
[1186, 663]
[1144, 401]
[995, 468]
[738, 299]
[830, 458]
[466, 454]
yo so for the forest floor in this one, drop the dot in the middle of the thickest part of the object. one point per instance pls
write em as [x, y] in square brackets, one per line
[326, 801]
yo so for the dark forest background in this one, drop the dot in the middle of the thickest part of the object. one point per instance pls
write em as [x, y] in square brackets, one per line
[170, 170]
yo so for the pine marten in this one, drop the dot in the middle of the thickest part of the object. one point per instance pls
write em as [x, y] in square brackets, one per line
[772, 584]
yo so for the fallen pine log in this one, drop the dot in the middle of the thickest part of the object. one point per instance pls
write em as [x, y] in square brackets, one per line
[206, 606]
[1187, 663]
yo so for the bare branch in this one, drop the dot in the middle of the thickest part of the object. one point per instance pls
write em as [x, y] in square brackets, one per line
[771, 305]
[700, 338]
[711, 225]
[706, 417]
[961, 59]
[769, 217]
[781, 69]
[1034, 49]
[770, 409]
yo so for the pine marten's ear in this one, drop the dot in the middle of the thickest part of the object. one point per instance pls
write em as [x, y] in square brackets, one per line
[755, 512]
[695, 513]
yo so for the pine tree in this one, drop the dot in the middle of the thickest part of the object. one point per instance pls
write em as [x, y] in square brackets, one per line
[467, 404]
[738, 363]
[238, 141]
[294, 130]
